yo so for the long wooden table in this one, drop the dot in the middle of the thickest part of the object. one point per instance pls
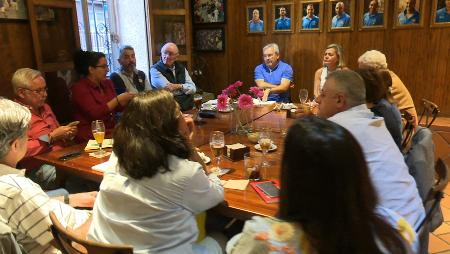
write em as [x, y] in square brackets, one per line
[240, 204]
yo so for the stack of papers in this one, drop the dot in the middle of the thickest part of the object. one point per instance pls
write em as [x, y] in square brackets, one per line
[93, 145]
[235, 184]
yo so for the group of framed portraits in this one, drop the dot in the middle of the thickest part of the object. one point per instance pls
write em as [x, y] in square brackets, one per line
[341, 15]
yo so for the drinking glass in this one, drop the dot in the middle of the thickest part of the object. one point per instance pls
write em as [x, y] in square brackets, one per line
[217, 143]
[265, 143]
[303, 96]
[198, 104]
[252, 167]
[98, 131]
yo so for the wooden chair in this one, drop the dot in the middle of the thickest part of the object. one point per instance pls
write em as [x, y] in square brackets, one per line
[408, 131]
[437, 192]
[430, 112]
[69, 243]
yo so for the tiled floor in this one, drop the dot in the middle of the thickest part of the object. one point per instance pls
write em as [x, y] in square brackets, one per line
[440, 238]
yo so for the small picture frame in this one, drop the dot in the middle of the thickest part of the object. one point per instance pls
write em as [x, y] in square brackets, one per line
[373, 14]
[341, 15]
[283, 17]
[311, 16]
[208, 11]
[408, 14]
[13, 9]
[440, 16]
[209, 39]
[256, 19]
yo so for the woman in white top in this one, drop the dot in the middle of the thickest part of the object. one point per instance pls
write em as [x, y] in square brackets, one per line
[156, 183]
[333, 59]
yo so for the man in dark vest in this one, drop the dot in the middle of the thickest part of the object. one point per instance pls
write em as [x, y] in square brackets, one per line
[171, 75]
[129, 79]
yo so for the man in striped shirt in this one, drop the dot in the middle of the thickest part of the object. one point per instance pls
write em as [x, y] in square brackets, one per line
[24, 206]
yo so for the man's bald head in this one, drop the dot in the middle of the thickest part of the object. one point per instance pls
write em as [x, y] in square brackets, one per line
[169, 53]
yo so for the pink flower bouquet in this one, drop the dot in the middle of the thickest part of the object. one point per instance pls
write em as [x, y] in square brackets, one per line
[232, 93]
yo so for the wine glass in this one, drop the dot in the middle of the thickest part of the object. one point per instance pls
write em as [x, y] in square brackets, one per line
[217, 143]
[98, 131]
[265, 143]
[303, 96]
[198, 104]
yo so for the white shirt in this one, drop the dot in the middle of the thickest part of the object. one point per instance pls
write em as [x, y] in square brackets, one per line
[395, 187]
[25, 208]
[154, 215]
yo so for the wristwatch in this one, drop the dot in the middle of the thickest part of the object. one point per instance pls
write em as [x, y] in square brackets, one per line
[66, 199]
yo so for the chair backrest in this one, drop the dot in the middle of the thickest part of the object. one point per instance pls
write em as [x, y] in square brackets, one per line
[408, 130]
[70, 243]
[430, 111]
[434, 215]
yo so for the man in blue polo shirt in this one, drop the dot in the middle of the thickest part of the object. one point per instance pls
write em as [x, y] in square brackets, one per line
[373, 17]
[410, 15]
[310, 21]
[283, 22]
[341, 19]
[274, 75]
[443, 14]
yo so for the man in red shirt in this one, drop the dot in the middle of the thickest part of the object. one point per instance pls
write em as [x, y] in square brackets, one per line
[44, 134]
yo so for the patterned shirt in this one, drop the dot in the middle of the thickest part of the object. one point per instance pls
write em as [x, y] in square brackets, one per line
[25, 208]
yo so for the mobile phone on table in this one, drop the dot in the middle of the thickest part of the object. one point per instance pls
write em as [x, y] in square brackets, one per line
[269, 188]
[69, 156]
[74, 123]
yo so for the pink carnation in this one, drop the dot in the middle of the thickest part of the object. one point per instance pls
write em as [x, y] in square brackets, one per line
[245, 101]
[222, 102]
[238, 84]
[231, 91]
[256, 91]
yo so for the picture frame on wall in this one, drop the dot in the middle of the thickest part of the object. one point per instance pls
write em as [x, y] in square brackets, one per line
[408, 13]
[256, 19]
[373, 14]
[440, 16]
[311, 16]
[283, 19]
[209, 39]
[13, 9]
[208, 11]
[341, 15]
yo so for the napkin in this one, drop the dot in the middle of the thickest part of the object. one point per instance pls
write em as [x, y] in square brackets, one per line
[235, 184]
[102, 166]
[93, 145]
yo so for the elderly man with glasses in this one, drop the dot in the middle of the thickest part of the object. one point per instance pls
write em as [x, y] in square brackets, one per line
[171, 75]
[45, 134]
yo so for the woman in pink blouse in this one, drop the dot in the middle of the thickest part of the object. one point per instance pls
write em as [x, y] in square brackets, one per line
[93, 96]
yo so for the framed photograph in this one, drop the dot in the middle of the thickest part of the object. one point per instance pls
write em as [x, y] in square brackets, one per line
[44, 13]
[256, 16]
[373, 14]
[341, 15]
[440, 13]
[209, 39]
[408, 13]
[311, 16]
[208, 11]
[283, 17]
[13, 9]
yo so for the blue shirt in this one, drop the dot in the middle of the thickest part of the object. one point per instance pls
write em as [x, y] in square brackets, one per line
[310, 23]
[442, 15]
[403, 20]
[274, 77]
[256, 26]
[342, 21]
[282, 24]
[373, 19]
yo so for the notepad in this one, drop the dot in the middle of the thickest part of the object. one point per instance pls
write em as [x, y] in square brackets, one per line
[235, 184]
[93, 145]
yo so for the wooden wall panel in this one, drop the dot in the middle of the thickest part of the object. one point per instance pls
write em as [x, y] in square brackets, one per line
[16, 51]
[420, 57]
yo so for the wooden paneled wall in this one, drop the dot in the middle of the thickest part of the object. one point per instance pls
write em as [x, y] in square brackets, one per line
[419, 56]
[16, 51]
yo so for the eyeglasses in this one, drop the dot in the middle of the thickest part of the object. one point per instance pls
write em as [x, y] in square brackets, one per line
[38, 91]
[104, 66]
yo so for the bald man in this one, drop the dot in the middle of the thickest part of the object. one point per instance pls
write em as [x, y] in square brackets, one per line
[341, 19]
[171, 75]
